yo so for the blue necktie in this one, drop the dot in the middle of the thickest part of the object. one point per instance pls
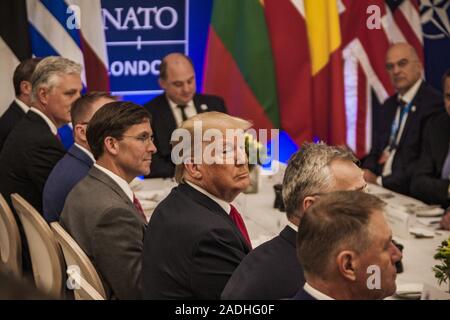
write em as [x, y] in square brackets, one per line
[446, 167]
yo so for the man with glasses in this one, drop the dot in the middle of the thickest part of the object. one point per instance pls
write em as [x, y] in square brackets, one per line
[101, 212]
[272, 271]
[398, 124]
[78, 160]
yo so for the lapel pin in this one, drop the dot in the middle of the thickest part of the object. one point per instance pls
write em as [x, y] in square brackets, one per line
[204, 107]
[413, 109]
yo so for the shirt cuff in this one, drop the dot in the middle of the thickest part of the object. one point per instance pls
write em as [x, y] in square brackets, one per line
[380, 180]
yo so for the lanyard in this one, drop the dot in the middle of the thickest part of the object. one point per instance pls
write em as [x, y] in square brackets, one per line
[396, 126]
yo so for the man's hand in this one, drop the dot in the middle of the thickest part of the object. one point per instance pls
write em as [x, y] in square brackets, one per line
[369, 176]
[445, 222]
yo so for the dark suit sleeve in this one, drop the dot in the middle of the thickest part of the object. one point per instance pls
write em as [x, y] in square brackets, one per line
[117, 250]
[216, 256]
[40, 161]
[426, 183]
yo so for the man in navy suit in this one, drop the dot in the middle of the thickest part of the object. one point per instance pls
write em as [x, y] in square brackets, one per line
[78, 160]
[179, 102]
[196, 238]
[22, 102]
[272, 270]
[431, 182]
[398, 125]
[345, 246]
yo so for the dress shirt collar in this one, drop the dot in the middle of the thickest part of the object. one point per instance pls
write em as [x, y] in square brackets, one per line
[190, 110]
[121, 182]
[85, 151]
[51, 125]
[315, 293]
[22, 105]
[292, 226]
[411, 93]
[222, 203]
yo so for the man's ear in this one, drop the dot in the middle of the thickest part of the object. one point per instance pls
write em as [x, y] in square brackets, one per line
[193, 170]
[307, 202]
[111, 145]
[25, 87]
[162, 83]
[347, 262]
[80, 132]
[43, 95]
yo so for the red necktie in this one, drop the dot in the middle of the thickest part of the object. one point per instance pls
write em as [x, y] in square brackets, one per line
[237, 219]
[138, 206]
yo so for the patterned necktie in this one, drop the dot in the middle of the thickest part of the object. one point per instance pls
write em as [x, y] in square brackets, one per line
[138, 206]
[237, 219]
[446, 167]
[182, 107]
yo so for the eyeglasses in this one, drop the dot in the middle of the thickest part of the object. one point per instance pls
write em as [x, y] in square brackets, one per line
[144, 138]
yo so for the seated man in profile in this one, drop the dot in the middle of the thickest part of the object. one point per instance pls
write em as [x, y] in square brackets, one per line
[346, 249]
[196, 238]
[101, 212]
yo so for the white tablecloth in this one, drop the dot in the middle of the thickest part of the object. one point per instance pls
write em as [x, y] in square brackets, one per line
[264, 222]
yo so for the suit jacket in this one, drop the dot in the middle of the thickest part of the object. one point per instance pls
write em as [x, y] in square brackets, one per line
[27, 158]
[427, 184]
[270, 271]
[427, 100]
[191, 247]
[164, 123]
[303, 295]
[8, 121]
[73, 167]
[105, 223]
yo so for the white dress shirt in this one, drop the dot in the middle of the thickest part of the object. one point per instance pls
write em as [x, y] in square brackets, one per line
[316, 293]
[121, 182]
[51, 125]
[225, 205]
[22, 105]
[189, 110]
[85, 151]
[407, 98]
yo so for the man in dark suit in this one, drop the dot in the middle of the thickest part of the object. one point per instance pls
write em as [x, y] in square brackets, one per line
[179, 102]
[101, 212]
[196, 238]
[78, 160]
[272, 270]
[399, 124]
[32, 148]
[430, 182]
[345, 246]
[22, 102]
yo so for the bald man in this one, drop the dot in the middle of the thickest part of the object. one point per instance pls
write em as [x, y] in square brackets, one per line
[398, 124]
[178, 102]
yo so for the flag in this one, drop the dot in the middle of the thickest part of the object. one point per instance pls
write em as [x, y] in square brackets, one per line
[74, 30]
[324, 41]
[289, 39]
[239, 64]
[13, 48]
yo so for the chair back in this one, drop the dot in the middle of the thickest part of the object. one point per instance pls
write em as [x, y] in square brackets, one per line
[46, 258]
[10, 243]
[78, 262]
[84, 291]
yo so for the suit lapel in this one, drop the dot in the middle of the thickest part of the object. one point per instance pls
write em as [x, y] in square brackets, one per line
[212, 206]
[103, 177]
[413, 113]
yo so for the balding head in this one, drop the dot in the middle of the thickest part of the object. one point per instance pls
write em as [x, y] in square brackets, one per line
[403, 66]
[177, 78]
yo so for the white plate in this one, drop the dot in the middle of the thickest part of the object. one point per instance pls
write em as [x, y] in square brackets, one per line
[411, 291]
